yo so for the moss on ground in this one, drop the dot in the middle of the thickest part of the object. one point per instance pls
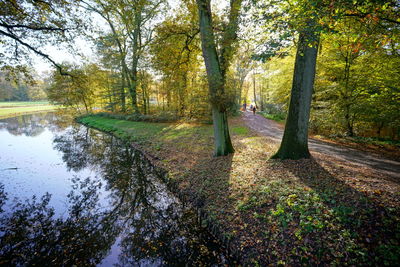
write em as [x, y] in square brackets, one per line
[307, 212]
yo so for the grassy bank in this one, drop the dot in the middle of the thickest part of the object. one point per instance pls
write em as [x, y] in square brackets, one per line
[278, 117]
[11, 109]
[308, 212]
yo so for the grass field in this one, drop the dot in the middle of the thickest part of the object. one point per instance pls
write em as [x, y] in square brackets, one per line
[11, 109]
[23, 104]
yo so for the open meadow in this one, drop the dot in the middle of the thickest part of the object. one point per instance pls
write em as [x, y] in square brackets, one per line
[11, 109]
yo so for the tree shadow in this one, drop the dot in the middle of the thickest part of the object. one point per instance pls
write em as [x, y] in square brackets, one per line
[370, 221]
[389, 167]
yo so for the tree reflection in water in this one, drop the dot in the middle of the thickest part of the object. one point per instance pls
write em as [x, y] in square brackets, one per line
[126, 216]
[35, 124]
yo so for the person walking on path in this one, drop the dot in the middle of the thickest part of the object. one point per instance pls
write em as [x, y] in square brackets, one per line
[254, 110]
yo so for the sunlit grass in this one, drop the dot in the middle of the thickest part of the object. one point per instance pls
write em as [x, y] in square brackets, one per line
[23, 103]
[278, 117]
[130, 130]
[11, 109]
[239, 130]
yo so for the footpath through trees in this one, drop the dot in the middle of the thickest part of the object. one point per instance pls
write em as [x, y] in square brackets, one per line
[350, 156]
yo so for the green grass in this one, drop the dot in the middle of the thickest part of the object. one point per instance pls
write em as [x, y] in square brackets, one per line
[23, 103]
[180, 134]
[240, 130]
[154, 134]
[11, 109]
[373, 140]
[278, 117]
[127, 130]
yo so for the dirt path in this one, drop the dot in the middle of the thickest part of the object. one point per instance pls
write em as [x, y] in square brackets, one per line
[347, 155]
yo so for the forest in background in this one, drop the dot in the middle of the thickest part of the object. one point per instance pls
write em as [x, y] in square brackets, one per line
[149, 61]
[21, 90]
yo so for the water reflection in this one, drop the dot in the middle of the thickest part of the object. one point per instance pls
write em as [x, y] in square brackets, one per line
[34, 124]
[122, 216]
[32, 235]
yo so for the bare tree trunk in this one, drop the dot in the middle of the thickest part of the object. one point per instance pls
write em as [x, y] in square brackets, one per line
[295, 138]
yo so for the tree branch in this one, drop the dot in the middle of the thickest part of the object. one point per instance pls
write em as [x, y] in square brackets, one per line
[230, 35]
[364, 15]
[38, 52]
[34, 28]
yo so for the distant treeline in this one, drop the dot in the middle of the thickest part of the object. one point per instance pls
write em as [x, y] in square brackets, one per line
[14, 89]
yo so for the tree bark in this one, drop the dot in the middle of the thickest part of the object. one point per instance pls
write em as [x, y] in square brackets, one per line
[349, 125]
[216, 68]
[122, 90]
[294, 143]
[254, 89]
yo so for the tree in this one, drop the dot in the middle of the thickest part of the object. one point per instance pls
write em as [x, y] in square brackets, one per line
[294, 143]
[242, 69]
[295, 139]
[19, 89]
[216, 66]
[112, 53]
[356, 88]
[132, 25]
[175, 54]
[27, 26]
[85, 86]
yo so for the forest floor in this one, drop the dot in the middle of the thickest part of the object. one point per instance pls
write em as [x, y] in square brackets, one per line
[327, 210]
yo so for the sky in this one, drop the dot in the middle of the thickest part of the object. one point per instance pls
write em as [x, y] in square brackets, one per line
[61, 55]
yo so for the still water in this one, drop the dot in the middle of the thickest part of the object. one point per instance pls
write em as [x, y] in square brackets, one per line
[70, 195]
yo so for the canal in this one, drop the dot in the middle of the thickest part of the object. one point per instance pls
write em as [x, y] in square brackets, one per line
[71, 195]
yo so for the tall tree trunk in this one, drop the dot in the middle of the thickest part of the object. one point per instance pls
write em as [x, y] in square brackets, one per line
[110, 95]
[349, 124]
[216, 68]
[133, 85]
[85, 104]
[148, 100]
[133, 74]
[254, 89]
[294, 143]
[182, 94]
[144, 100]
[238, 94]
[348, 95]
[122, 91]
[380, 127]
